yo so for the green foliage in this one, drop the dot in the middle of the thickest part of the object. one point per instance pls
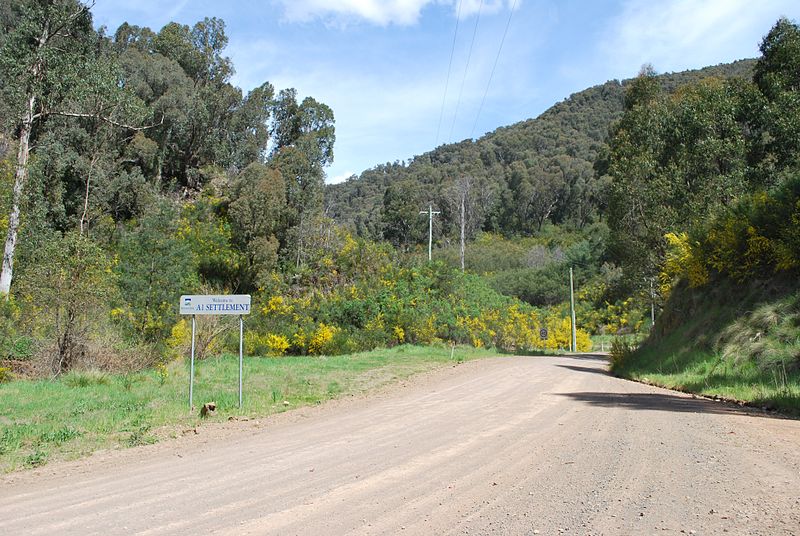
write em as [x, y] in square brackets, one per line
[529, 174]
[155, 268]
[66, 282]
[36, 458]
[777, 119]
[209, 237]
[15, 345]
[256, 211]
[756, 236]
[138, 430]
[401, 222]
[59, 436]
[540, 286]
[673, 161]
[62, 53]
[698, 162]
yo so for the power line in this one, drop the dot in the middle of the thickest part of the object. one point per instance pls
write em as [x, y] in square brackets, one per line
[466, 68]
[449, 67]
[491, 75]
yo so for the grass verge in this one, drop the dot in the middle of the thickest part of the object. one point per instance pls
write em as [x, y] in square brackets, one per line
[738, 343]
[43, 421]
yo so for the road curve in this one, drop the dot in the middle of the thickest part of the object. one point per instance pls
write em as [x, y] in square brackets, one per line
[522, 445]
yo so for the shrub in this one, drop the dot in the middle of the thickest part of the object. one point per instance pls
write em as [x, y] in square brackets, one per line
[67, 280]
[621, 351]
[319, 342]
[5, 375]
[276, 344]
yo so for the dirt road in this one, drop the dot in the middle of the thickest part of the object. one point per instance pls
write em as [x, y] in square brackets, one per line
[502, 446]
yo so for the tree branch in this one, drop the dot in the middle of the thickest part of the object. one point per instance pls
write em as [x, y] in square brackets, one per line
[68, 21]
[108, 120]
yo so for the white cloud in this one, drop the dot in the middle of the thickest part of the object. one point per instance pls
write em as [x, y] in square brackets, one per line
[381, 12]
[340, 178]
[402, 12]
[471, 7]
[680, 34]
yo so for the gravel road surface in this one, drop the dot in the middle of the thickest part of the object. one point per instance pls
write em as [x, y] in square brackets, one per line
[522, 445]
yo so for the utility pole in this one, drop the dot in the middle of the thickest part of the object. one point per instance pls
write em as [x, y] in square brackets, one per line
[574, 346]
[430, 214]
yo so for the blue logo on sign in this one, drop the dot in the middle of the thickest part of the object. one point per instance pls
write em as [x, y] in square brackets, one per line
[187, 301]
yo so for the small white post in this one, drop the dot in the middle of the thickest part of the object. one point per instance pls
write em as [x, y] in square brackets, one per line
[241, 346]
[652, 305]
[572, 311]
[191, 369]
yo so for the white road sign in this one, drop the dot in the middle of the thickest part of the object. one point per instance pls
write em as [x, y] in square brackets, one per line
[233, 304]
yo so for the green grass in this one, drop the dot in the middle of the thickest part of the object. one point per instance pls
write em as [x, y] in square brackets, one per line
[736, 343]
[83, 412]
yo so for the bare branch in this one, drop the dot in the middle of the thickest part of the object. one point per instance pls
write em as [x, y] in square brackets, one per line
[108, 120]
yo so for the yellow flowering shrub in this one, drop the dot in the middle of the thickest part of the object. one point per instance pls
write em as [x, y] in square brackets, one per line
[254, 343]
[426, 331]
[375, 324]
[299, 341]
[276, 344]
[758, 253]
[519, 331]
[682, 260]
[399, 334]
[180, 334]
[277, 305]
[321, 338]
[477, 330]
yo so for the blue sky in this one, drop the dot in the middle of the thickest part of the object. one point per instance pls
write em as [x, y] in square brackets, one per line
[382, 66]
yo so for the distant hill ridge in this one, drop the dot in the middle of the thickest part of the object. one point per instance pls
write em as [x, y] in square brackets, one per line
[525, 174]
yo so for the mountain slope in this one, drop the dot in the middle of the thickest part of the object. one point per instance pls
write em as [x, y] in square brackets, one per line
[526, 174]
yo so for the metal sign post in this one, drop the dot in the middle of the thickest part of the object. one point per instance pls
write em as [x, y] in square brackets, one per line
[234, 304]
[241, 349]
[191, 370]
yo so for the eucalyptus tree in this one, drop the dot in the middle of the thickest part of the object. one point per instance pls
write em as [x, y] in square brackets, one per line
[674, 160]
[777, 76]
[258, 202]
[303, 135]
[49, 67]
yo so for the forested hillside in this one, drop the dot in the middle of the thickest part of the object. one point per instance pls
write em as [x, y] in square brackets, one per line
[519, 177]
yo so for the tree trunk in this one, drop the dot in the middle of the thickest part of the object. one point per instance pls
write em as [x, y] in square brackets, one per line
[21, 172]
[20, 177]
[85, 216]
